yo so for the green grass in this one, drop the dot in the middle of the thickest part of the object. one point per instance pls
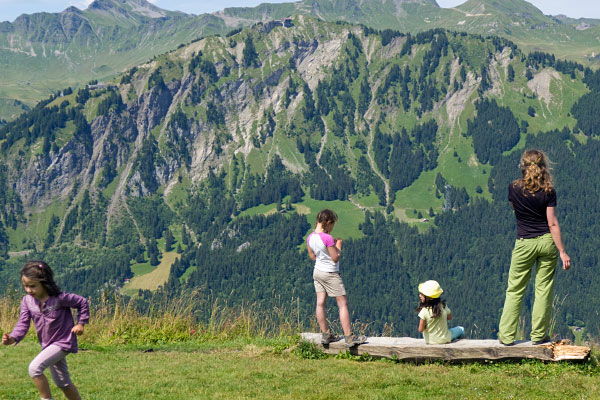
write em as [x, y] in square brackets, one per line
[111, 188]
[421, 192]
[257, 160]
[289, 151]
[370, 201]
[349, 215]
[35, 229]
[141, 268]
[10, 109]
[579, 335]
[65, 134]
[248, 369]
[185, 276]
[179, 194]
[264, 209]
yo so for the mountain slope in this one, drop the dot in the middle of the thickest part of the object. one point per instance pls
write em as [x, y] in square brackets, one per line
[42, 53]
[516, 20]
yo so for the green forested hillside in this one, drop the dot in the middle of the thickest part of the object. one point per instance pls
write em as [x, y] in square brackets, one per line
[43, 53]
[225, 149]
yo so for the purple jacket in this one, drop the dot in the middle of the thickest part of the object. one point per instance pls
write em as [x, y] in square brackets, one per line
[54, 323]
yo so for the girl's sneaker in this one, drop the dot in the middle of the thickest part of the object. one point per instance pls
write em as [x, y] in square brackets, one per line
[328, 337]
[353, 340]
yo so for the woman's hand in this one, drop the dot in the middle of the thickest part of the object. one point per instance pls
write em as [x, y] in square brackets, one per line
[6, 340]
[77, 329]
[566, 261]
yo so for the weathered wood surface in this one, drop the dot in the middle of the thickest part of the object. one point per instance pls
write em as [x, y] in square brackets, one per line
[405, 348]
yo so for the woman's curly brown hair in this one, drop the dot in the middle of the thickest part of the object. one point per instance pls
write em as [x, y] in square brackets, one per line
[535, 170]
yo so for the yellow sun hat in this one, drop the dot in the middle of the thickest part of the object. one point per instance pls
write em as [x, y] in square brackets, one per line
[430, 289]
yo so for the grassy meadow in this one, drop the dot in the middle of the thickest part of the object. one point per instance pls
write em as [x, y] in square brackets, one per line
[246, 354]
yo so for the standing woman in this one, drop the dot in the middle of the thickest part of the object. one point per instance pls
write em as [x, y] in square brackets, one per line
[539, 242]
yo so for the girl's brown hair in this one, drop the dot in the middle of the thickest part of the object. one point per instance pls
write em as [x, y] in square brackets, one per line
[535, 170]
[41, 272]
[326, 217]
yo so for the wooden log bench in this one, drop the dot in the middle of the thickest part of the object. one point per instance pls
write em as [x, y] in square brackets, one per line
[406, 348]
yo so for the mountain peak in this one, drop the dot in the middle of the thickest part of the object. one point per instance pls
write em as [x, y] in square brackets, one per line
[71, 10]
[127, 8]
[507, 7]
[429, 2]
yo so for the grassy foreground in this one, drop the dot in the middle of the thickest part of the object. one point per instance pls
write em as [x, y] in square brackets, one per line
[132, 356]
[253, 370]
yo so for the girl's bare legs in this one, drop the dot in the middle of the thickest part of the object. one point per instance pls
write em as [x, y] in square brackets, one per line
[71, 392]
[43, 387]
[321, 319]
[342, 304]
[41, 383]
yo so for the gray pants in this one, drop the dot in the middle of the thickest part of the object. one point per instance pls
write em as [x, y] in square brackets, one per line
[52, 357]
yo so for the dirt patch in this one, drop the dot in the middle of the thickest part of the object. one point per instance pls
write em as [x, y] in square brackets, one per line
[540, 84]
[472, 161]
[500, 60]
[19, 253]
[302, 209]
[455, 104]
[271, 212]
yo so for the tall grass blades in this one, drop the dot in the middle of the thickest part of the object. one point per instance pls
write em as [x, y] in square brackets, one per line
[557, 303]
[192, 316]
[9, 310]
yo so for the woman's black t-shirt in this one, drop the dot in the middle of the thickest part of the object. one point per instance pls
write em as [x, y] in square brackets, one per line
[530, 210]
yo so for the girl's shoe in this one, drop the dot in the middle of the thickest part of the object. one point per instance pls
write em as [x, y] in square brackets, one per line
[327, 337]
[353, 340]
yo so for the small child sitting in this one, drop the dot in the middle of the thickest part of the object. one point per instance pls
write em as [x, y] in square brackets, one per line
[434, 315]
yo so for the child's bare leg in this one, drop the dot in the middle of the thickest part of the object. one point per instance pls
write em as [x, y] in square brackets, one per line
[41, 383]
[71, 392]
[321, 319]
[342, 304]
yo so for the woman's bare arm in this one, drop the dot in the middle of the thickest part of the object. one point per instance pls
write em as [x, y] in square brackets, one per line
[557, 237]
